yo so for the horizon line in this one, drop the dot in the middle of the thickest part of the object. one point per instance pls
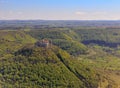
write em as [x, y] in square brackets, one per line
[51, 20]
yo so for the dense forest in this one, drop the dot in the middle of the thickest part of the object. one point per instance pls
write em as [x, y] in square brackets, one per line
[49, 55]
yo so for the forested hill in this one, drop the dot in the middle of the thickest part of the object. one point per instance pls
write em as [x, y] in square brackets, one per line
[26, 65]
[63, 60]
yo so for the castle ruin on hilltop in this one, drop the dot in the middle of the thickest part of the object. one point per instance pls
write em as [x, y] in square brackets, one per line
[44, 43]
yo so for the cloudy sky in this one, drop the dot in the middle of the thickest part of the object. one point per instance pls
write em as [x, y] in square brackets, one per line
[60, 9]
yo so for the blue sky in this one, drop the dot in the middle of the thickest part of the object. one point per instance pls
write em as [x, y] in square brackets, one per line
[60, 9]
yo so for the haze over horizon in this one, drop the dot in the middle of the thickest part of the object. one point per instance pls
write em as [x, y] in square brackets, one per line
[59, 9]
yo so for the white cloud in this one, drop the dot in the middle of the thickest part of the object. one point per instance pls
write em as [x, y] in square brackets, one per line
[100, 15]
[80, 13]
[90, 13]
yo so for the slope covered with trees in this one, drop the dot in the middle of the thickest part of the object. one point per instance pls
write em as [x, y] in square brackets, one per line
[62, 39]
[69, 63]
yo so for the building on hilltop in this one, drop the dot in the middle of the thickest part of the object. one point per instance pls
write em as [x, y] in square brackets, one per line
[43, 43]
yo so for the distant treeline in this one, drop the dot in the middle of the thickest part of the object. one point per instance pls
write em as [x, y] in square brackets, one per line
[36, 24]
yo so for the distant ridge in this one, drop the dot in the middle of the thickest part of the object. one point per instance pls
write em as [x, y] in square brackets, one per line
[36, 24]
